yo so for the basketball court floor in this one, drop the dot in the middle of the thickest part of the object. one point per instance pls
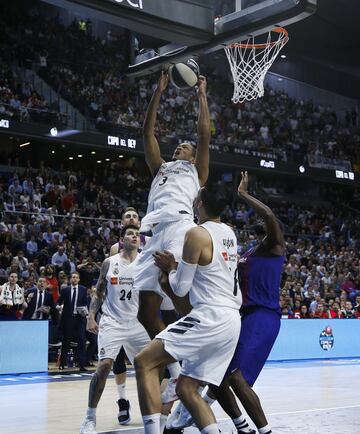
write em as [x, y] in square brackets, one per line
[310, 397]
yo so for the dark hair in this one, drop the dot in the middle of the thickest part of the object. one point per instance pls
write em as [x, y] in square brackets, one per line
[129, 208]
[213, 199]
[125, 228]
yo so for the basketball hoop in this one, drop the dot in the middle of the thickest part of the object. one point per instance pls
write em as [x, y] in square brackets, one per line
[249, 63]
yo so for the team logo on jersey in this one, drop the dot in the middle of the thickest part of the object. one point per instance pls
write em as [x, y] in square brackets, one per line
[228, 243]
[225, 256]
[326, 339]
[114, 280]
[102, 352]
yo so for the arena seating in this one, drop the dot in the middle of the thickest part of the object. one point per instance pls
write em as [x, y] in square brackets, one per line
[42, 209]
[92, 79]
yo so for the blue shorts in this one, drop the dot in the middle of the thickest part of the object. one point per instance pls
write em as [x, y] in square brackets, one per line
[259, 330]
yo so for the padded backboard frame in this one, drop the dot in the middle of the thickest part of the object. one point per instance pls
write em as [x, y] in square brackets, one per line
[254, 20]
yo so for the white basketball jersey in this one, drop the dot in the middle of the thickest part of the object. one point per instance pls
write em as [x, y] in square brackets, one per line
[172, 194]
[216, 284]
[121, 302]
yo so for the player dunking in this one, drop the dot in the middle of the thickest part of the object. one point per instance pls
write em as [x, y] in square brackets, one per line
[206, 338]
[170, 209]
[118, 326]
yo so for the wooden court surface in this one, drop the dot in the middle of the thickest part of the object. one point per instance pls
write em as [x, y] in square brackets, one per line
[307, 397]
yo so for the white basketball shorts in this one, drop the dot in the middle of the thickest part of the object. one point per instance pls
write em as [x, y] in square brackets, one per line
[166, 236]
[205, 340]
[113, 335]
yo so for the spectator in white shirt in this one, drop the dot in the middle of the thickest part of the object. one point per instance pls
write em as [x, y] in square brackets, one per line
[32, 246]
[59, 257]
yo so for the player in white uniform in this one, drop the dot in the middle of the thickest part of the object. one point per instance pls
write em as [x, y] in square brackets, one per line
[170, 208]
[206, 338]
[131, 217]
[118, 326]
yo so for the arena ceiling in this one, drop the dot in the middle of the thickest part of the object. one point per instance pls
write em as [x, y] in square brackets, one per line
[331, 36]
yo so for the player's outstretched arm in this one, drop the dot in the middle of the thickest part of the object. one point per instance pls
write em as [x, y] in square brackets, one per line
[274, 233]
[204, 134]
[98, 299]
[151, 145]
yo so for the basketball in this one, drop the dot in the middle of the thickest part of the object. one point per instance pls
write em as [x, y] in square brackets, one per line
[184, 75]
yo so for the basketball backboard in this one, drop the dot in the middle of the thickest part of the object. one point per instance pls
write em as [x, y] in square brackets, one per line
[232, 21]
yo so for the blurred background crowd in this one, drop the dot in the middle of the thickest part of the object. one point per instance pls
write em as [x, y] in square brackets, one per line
[58, 218]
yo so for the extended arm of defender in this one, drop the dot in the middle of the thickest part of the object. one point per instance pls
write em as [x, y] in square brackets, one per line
[151, 145]
[274, 234]
[204, 134]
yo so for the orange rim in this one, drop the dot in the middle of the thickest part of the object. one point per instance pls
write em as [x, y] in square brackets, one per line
[264, 45]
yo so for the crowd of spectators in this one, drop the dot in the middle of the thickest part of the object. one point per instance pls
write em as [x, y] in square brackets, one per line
[19, 100]
[89, 72]
[54, 223]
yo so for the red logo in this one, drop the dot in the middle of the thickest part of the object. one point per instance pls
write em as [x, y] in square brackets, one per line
[225, 256]
[114, 280]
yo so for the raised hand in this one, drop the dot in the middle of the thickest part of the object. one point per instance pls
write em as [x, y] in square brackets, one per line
[244, 183]
[201, 85]
[163, 81]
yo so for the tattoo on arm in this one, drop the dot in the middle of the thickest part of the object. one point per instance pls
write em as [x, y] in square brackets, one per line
[95, 305]
[99, 298]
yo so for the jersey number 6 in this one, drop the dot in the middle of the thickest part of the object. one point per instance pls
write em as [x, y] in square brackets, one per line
[236, 281]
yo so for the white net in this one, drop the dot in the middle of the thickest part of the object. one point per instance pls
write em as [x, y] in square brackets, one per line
[249, 63]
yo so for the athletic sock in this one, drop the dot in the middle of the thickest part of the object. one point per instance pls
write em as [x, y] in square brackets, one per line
[241, 424]
[91, 413]
[174, 369]
[121, 389]
[207, 399]
[152, 423]
[265, 430]
[163, 419]
[210, 429]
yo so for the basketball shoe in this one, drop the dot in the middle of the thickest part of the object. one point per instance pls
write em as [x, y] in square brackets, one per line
[124, 411]
[88, 427]
[180, 418]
